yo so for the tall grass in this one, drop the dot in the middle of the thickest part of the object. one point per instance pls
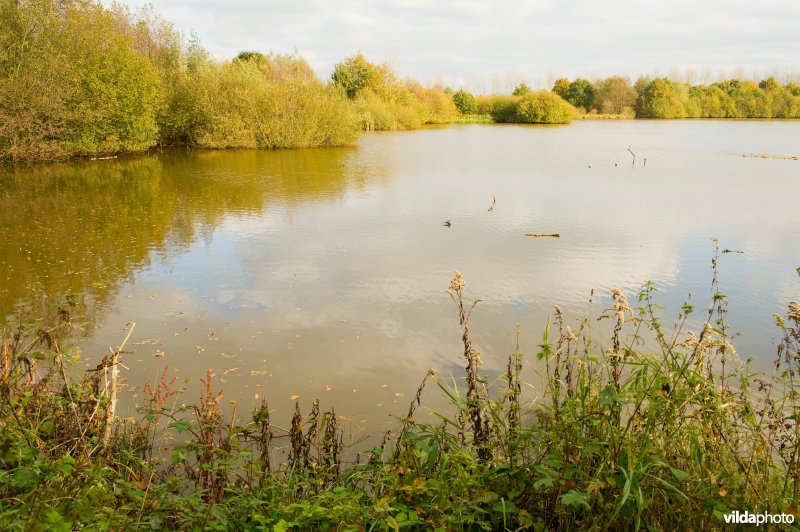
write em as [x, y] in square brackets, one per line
[672, 437]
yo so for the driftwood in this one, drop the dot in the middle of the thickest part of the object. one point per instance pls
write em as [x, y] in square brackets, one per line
[554, 235]
[103, 158]
[782, 157]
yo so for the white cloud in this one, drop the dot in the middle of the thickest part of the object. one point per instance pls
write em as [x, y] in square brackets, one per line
[533, 40]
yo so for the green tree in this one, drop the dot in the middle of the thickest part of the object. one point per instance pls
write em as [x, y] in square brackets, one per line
[72, 82]
[781, 102]
[659, 99]
[615, 95]
[581, 94]
[561, 87]
[543, 107]
[432, 104]
[355, 74]
[248, 55]
[752, 101]
[770, 84]
[465, 102]
[709, 102]
[521, 89]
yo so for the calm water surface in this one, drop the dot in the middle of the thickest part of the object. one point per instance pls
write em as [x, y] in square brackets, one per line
[322, 273]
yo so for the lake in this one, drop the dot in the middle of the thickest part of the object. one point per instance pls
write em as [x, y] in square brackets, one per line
[306, 274]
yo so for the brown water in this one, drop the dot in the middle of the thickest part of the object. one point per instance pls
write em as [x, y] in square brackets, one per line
[322, 273]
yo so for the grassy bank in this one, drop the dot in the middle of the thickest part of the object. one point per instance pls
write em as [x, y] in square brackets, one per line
[619, 437]
[474, 119]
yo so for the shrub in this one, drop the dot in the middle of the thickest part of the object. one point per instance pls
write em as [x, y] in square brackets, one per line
[268, 102]
[660, 99]
[543, 107]
[614, 95]
[72, 83]
[501, 108]
[465, 102]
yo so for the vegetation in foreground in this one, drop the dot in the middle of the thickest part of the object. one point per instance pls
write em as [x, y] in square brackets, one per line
[620, 438]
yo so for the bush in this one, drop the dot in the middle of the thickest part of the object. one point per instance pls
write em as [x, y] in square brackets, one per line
[72, 83]
[660, 99]
[384, 102]
[543, 107]
[615, 95]
[465, 102]
[501, 108]
[266, 102]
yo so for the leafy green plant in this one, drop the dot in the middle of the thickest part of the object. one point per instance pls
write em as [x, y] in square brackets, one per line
[465, 102]
[664, 428]
[543, 107]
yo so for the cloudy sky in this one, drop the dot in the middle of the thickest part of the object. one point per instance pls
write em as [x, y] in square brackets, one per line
[491, 45]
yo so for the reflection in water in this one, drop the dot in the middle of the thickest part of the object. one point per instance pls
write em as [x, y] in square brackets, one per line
[83, 228]
[322, 273]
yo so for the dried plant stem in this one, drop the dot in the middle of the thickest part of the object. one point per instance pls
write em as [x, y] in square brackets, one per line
[112, 390]
[478, 419]
[514, 392]
[409, 420]
[296, 438]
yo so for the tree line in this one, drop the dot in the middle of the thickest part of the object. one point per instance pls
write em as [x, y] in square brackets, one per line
[78, 78]
[666, 98]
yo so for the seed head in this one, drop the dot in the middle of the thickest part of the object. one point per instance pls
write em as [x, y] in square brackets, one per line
[794, 311]
[458, 283]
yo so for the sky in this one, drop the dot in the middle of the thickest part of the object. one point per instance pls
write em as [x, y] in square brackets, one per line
[493, 45]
